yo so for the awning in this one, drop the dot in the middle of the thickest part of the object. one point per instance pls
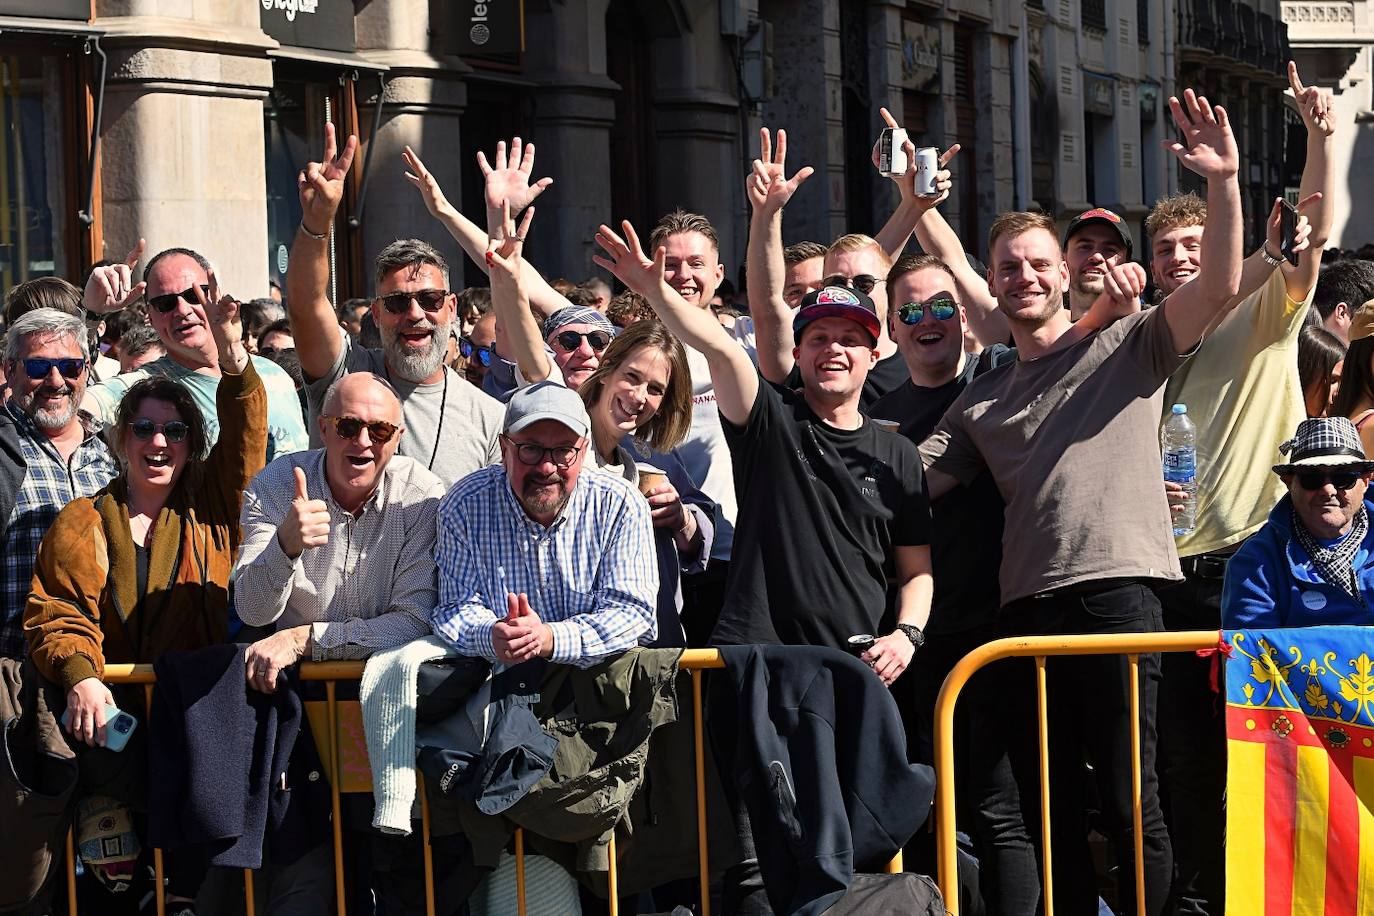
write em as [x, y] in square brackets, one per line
[343, 59]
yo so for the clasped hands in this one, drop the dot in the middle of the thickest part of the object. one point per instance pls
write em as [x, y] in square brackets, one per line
[521, 635]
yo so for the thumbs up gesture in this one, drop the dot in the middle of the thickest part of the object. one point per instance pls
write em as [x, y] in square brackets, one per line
[306, 524]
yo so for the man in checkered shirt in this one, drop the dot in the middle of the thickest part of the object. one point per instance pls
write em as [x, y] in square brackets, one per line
[47, 457]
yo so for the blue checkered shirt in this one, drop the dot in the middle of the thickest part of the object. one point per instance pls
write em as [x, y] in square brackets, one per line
[592, 576]
[49, 484]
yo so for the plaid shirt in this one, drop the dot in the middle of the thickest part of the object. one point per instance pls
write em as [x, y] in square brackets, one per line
[49, 484]
[592, 576]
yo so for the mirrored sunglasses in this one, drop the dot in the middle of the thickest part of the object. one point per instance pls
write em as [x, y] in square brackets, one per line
[942, 308]
[36, 367]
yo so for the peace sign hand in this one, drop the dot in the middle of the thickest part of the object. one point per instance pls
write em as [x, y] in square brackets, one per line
[1316, 105]
[1208, 148]
[321, 183]
[768, 186]
[111, 288]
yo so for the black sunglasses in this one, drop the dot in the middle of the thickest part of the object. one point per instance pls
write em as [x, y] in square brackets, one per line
[942, 308]
[864, 283]
[467, 349]
[431, 300]
[562, 455]
[379, 431]
[1315, 480]
[36, 367]
[168, 301]
[571, 340]
[145, 429]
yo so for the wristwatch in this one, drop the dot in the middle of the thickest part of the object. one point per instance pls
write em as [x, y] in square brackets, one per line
[913, 633]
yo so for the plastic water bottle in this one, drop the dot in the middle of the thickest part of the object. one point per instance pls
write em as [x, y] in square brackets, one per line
[1178, 442]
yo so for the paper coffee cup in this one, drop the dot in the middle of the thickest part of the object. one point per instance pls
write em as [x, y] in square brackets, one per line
[650, 478]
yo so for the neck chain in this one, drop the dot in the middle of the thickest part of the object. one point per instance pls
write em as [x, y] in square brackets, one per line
[443, 403]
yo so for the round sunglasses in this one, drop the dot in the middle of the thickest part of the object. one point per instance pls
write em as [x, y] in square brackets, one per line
[173, 430]
[571, 340]
[942, 308]
[379, 431]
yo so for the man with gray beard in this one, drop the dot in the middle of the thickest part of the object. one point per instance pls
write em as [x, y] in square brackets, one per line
[451, 426]
[47, 458]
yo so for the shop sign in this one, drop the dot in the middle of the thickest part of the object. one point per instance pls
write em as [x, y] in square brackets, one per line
[326, 25]
[488, 26]
[47, 9]
[920, 56]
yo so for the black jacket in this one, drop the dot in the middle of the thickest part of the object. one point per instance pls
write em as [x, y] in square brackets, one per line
[819, 757]
[218, 754]
[13, 467]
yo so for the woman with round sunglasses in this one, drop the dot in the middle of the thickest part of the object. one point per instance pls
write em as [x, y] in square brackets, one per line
[142, 567]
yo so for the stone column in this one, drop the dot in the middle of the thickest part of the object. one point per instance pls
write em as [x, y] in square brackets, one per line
[425, 95]
[182, 160]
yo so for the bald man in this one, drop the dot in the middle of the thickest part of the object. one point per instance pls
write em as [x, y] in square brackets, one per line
[338, 543]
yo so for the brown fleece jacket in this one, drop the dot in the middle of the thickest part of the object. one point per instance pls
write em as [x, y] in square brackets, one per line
[84, 610]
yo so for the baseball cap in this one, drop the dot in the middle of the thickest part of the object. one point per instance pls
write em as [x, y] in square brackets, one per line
[1099, 215]
[837, 302]
[546, 401]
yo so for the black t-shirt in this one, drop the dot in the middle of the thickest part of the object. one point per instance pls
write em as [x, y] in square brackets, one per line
[820, 511]
[966, 551]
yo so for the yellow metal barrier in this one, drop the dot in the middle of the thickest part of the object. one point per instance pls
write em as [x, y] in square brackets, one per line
[693, 660]
[1132, 645]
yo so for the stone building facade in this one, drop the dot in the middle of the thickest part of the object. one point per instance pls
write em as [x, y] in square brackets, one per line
[205, 111]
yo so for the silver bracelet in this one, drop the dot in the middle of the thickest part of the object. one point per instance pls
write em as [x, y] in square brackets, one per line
[1268, 258]
[316, 237]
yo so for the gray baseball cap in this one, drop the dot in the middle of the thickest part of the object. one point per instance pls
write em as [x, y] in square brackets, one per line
[546, 401]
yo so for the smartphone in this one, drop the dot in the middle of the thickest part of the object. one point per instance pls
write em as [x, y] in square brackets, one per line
[1288, 231]
[119, 725]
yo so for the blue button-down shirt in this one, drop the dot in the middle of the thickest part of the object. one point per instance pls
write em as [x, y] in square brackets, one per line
[49, 484]
[592, 575]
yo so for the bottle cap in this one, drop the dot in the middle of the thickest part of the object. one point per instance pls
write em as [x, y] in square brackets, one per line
[1180, 409]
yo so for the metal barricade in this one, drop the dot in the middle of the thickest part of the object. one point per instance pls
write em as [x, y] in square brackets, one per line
[1132, 645]
[693, 660]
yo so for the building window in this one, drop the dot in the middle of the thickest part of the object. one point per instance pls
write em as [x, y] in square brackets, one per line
[1093, 14]
[1142, 21]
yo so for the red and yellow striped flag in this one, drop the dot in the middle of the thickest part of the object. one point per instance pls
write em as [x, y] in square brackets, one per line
[1300, 772]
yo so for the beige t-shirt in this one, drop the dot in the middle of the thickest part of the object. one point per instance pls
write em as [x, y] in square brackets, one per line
[1072, 441]
[1243, 395]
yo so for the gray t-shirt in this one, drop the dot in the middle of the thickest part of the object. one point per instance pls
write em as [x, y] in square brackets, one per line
[460, 438]
[1072, 441]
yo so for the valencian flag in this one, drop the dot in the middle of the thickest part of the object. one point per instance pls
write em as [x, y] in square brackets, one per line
[1300, 773]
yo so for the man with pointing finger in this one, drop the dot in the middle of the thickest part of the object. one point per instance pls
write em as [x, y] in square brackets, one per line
[338, 543]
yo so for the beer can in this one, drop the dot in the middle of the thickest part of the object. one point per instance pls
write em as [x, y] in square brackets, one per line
[860, 644]
[891, 156]
[927, 164]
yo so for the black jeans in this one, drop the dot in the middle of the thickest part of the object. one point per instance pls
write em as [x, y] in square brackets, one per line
[1089, 725]
[1192, 752]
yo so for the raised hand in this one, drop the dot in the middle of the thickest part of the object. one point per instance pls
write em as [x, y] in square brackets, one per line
[1123, 285]
[1208, 147]
[1273, 228]
[906, 182]
[1316, 105]
[768, 186]
[503, 251]
[222, 314]
[435, 201]
[321, 183]
[508, 177]
[627, 259]
[306, 525]
[111, 288]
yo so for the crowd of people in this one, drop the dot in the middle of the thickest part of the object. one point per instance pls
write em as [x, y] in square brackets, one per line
[892, 454]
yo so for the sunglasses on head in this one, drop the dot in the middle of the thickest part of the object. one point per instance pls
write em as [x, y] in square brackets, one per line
[467, 349]
[379, 431]
[864, 283]
[172, 430]
[942, 308]
[431, 300]
[571, 340]
[1315, 480]
[168, 301]
[36, 367]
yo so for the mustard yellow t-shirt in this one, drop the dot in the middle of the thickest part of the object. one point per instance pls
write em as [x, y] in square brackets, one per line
[1242, 392]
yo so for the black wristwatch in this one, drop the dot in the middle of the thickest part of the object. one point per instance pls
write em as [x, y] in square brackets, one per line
[913, 633]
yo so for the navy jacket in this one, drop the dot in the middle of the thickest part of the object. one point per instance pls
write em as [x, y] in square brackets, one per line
[1272, 582]
[820, 761]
